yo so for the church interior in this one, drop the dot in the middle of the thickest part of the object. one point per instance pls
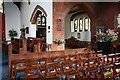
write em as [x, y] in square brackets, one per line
[59, 40]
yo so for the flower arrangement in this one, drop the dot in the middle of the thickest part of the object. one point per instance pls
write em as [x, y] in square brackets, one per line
[12, 33]
[109, 36]
[59, 41]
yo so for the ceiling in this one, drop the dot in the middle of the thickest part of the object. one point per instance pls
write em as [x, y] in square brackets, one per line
[18, 2]
[76, 10]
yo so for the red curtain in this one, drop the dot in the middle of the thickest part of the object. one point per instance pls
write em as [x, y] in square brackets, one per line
[2, 26]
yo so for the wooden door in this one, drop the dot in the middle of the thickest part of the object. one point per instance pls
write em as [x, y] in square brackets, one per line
[41, 32]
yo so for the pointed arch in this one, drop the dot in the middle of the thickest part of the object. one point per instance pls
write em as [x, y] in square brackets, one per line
[38, 10]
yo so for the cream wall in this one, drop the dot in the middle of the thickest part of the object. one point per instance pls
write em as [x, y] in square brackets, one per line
[16, 19]
[26, 12]
[12, 18]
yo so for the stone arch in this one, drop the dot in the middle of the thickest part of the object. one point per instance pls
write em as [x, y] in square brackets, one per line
[61, 9]
[82, 6]
[88, 9]
[38, 9]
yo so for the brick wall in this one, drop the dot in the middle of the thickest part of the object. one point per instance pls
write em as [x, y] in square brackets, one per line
[106, 11]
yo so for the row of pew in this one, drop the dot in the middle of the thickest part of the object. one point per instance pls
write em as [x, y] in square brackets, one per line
[66, 65]
[73, 43]
[31, 45]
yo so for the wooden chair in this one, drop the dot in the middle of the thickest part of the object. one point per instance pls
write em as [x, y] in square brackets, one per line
[51, 72]
[81, 69]
[66, 69]
[72, 69]
[105, 66]
[31, 71]
[42, 67]
[117, 56]
[72, 57]
[108, 67]
[116, 68]
[92, 68]
[18, 66]
[47, 68]
[61, 60]
[111, 58]
[52, 60]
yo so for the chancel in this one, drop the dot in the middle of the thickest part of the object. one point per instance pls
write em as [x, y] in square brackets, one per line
[58, 40]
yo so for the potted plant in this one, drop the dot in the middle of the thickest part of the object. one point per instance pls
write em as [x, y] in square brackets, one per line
[12, 33]
[109, 36]
[105, 41]
[59, 41]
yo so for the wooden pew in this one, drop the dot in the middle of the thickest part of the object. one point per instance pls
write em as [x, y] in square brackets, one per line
[56, 59]
[16, 45]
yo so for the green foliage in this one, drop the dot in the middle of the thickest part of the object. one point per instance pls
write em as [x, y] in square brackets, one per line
[59, 41]
[109, 36]
[12, 33]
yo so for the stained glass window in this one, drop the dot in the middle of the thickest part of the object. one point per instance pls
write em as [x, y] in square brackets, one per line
[39, 20]
[43, 20]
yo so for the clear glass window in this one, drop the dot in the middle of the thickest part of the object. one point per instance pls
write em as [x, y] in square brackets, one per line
[86, 24]
[80, 24]
[76, 25]
[1, 6]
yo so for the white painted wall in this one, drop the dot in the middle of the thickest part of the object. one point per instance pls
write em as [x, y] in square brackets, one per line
[12, 18]
[15, 19]
[26, 12]
[84, 35]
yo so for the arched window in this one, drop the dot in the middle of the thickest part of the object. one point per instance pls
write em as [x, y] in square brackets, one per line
[86, 24]
[39, 17]
[1, 6]
[41, 20]
[41, 26]
[80, 24]
[118, 21]
[38, 12]
[75, 25]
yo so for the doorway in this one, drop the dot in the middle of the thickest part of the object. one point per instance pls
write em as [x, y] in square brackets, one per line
[39, 18]
[41, 32]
